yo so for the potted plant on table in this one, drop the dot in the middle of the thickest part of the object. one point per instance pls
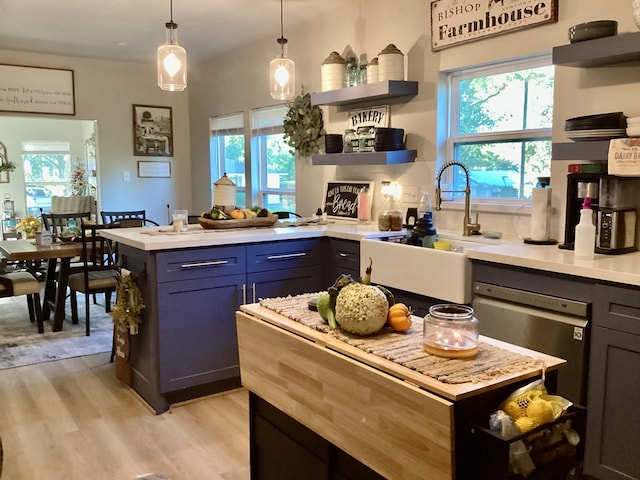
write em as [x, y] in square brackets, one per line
[29, 225]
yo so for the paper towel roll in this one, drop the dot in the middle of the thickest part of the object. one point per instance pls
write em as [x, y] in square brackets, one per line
[540, 210]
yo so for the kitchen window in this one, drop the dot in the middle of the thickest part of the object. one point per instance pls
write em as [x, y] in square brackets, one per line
[227, 151]
[47, 172]
[499, 125]
[275, 169]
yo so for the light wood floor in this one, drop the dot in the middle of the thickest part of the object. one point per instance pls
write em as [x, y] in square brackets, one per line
[73, 420]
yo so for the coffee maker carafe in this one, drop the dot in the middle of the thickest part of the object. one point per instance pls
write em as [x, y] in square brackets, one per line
[616, 224]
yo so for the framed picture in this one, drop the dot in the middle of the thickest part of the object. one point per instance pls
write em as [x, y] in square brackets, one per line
[152, 131]
[148, 169]
[36, 90]
[454, 22]
[340, 199]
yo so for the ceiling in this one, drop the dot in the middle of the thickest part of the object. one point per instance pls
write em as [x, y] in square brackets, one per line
[133, 29]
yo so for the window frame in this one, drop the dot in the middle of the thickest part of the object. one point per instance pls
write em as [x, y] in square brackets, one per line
[451, 138]
[217, 155]
[38, 147]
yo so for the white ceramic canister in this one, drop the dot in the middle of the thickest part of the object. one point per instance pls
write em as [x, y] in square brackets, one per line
[333, 72]
[372, 71]
[390, 64]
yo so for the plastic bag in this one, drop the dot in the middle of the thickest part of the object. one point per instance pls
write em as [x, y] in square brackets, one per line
[520, 462]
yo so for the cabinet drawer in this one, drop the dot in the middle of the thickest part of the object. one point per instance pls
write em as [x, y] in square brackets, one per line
[200, 263]
[344, 254]
[617, 308]
[283, 255]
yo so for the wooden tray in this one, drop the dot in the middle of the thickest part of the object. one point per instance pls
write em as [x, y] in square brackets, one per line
[241, 223]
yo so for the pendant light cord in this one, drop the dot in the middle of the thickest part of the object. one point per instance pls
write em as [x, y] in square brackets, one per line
[281, 19]
[171, 10]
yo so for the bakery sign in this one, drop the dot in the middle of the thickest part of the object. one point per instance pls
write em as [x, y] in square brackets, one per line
[460, 21]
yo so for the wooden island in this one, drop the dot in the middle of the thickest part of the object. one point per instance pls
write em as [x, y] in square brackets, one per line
[324, 408]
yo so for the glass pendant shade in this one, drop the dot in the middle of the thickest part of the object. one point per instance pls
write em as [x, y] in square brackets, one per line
[282, 74]
[172, 62]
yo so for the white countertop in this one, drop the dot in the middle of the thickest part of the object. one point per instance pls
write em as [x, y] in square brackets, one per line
[162, 238]
[624, 269]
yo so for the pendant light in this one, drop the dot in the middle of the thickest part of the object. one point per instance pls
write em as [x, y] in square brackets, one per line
[172, 60]
[282, 70]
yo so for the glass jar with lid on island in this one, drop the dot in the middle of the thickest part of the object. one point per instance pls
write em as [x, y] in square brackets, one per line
[450, 331]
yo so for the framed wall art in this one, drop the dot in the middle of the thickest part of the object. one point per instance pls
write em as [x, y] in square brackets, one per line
[36, 90]
[454, 22]
[152, 131]
[150, 169]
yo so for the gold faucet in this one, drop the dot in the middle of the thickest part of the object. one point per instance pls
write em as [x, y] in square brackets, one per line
[467, 227]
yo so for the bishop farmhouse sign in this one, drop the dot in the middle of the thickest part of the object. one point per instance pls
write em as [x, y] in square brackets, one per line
[460, 21]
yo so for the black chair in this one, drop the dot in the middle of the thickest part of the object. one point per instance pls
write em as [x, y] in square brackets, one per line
[132, 222]
[98, 273]
[282, 215]
[65, 224]
[23, 283]
[110, 218]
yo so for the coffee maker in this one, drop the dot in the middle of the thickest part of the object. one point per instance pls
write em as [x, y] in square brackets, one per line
[616, 216]
[579, 186]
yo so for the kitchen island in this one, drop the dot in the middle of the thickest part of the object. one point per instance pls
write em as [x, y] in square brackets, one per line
[192, 284]
[352, 402]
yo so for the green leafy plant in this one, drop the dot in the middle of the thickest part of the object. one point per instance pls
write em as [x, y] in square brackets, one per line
[304, 126]
[6, 165]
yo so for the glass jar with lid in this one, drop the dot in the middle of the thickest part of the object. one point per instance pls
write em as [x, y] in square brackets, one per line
[451, 331]
[351, 143]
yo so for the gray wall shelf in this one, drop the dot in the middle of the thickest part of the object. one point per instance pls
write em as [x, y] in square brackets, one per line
[599, 52]
[364, 93]
[597, 150]
[366, 158]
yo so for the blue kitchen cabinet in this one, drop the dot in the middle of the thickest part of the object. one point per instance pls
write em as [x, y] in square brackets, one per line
[342, 256]
[278, 269]
[613, 419]
[187, 344]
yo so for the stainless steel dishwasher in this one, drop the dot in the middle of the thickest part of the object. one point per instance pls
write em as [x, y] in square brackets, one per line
[552, 325]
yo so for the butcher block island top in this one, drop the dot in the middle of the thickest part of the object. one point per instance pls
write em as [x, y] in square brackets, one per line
[400, 422]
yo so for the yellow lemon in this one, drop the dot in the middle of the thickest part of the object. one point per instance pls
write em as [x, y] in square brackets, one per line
[525, 424]
[541, 411]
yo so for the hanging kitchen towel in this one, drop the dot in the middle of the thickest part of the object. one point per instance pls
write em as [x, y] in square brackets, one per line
[540, 212]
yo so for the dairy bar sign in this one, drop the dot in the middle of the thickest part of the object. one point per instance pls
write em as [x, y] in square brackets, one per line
[459, 21]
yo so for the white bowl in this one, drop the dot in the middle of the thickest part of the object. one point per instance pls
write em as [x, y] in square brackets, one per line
[633, 121]
[633, 131]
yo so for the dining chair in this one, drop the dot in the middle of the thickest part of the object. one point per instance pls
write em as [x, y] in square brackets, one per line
[109, 218]
[98, 272]
[65, 224]
[15, 284]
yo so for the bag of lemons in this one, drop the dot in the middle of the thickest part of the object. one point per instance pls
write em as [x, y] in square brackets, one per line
[531, 406]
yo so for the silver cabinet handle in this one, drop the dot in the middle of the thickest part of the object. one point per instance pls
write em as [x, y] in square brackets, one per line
[204, 264]
[287, 255]
[244, 294]
[343, 255]
[253, 292]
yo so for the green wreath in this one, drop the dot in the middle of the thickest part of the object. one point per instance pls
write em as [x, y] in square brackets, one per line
[129, 302]
[304, 126]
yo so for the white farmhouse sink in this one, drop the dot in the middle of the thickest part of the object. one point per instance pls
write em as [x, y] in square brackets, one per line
[440, 274]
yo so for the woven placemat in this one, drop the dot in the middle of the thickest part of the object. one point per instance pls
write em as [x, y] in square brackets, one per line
[406, 348]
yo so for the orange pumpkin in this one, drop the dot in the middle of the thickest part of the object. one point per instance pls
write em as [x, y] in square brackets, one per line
[399, 317]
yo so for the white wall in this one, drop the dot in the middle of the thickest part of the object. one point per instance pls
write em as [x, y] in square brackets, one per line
[105, 91]
[238, 81]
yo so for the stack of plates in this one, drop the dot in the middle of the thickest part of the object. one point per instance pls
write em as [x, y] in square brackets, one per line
[633, 126]
[388, 139]
[602, 126]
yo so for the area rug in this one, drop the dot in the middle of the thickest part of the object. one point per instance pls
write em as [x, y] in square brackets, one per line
[21, 344]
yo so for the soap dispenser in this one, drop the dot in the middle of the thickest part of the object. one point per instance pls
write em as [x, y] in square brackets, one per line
[585, 237]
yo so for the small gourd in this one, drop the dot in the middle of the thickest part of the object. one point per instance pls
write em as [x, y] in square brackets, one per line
[399, 317]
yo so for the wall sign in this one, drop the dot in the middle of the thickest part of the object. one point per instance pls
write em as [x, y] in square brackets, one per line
[459, 21]
[36, 90]
[341, 198]
[369, 117]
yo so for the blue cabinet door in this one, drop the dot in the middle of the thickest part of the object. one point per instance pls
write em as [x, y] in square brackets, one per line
[197, 332]
[279, 283]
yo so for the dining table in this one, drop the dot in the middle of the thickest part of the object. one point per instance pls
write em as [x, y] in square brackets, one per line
[64, 252]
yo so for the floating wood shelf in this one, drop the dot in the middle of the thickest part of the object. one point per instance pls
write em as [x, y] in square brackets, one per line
[366, 158]
[364, 93]
[599, 52]
[597, 150]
